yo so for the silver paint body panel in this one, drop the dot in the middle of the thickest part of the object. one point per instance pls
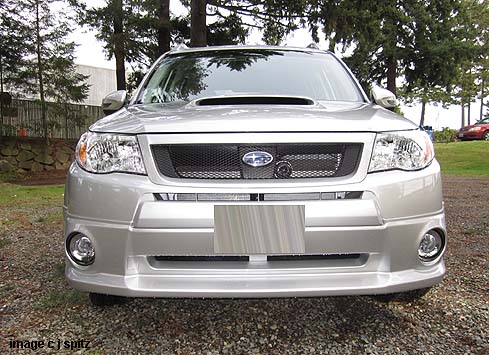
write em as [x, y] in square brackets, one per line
[387, 223]
[129, 226]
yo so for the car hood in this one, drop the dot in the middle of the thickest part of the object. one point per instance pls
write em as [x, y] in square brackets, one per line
[183, 117]
[466, 128]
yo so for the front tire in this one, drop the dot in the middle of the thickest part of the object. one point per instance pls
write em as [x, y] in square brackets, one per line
[101, 300]
[485, 136]
[408, 296]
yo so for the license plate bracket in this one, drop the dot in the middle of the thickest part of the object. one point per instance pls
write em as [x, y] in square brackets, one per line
[259, 229]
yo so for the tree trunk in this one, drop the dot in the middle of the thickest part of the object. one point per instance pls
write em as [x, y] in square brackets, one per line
[198, 28]
[468, 113]
[119, 50]
[391, 74]
[463, 113]
[390, 50]
[423, 110]
[482, 99]
[40, 78]
[1, 101]
[164, 27]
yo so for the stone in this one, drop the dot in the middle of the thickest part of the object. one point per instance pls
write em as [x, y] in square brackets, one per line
[9, 151]
[25, 155]
[5, 166]
[48, 167]
[44, 159]
[58, 166]
[41, 149]
[27, 165]
[36, 167]
[62, 157]
[37, 151]
[67, 150]
[25, 146]
[12, 160]
[21, 170]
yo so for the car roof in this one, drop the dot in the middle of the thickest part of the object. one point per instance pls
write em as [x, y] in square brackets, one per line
[184, 49]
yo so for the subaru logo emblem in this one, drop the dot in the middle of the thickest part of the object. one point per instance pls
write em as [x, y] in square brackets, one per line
[257, 159]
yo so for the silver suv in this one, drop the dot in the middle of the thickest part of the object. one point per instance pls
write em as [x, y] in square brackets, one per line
[253, 172]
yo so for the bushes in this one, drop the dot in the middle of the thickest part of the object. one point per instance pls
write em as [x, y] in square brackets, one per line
[446, 135]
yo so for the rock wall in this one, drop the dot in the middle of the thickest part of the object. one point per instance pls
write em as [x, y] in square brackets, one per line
[22, 154]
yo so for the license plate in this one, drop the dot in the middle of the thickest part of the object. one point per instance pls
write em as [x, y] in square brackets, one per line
[259, 229]
[460, 134]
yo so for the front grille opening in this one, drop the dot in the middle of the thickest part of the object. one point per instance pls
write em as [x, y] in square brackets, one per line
[255, 100]
[225, 161]
[242, 262]
[247, 258]
[202, 258]
[314, 257]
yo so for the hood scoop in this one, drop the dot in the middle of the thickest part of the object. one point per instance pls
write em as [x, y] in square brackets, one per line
[254, 100]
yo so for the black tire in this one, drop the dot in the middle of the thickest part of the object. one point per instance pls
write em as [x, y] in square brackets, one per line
[408, 296]
[485, 136]
[101, 300]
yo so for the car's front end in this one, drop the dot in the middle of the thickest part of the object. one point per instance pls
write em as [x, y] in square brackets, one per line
[254, 196]
[477, 131]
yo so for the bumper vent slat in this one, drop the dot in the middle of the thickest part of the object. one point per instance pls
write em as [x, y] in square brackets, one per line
[215, 197]
[224, 161]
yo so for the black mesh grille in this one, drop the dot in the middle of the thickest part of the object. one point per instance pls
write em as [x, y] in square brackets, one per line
[224, 161]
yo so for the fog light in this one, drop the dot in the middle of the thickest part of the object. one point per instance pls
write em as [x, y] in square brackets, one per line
[80, 248]
[431, 245]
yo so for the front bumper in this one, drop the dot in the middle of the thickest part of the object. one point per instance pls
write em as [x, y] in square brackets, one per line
[469, 135]
[129, 228]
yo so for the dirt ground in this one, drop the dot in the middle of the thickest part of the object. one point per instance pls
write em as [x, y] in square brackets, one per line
[37, 304]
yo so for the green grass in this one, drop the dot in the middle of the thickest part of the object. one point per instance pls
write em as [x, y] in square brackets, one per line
[463, 158]
[4, 242]
[10, 193]
[58, 272]
[62, 298]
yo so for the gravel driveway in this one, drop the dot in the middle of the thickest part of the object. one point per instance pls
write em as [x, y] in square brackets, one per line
[37, 304]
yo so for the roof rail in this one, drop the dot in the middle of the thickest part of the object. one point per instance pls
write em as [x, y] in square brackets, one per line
[313, 45]
[179, 46]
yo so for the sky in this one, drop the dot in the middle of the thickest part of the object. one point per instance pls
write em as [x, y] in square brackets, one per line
[90, 52]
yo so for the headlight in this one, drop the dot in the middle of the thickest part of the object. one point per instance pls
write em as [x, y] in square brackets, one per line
[404, 150]
[107, 153]
[475, 128]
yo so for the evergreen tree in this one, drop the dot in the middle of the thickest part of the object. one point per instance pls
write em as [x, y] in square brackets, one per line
[12, 51]
[49, 72]
[109, 21]
[432, 51]
[424, 43]
[473, 69]
[132, 31]
[13, 42]
[275, 18]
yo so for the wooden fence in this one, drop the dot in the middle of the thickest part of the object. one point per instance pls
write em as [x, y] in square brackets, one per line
[66, 121]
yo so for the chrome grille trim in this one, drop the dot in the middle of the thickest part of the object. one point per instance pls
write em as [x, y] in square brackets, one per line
[216, 197]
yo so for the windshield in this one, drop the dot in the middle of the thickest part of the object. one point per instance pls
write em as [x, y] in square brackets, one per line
[483, 121]
[190, 76]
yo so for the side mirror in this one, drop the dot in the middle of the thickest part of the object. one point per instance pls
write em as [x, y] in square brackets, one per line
[383, 97]
[114, 101]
